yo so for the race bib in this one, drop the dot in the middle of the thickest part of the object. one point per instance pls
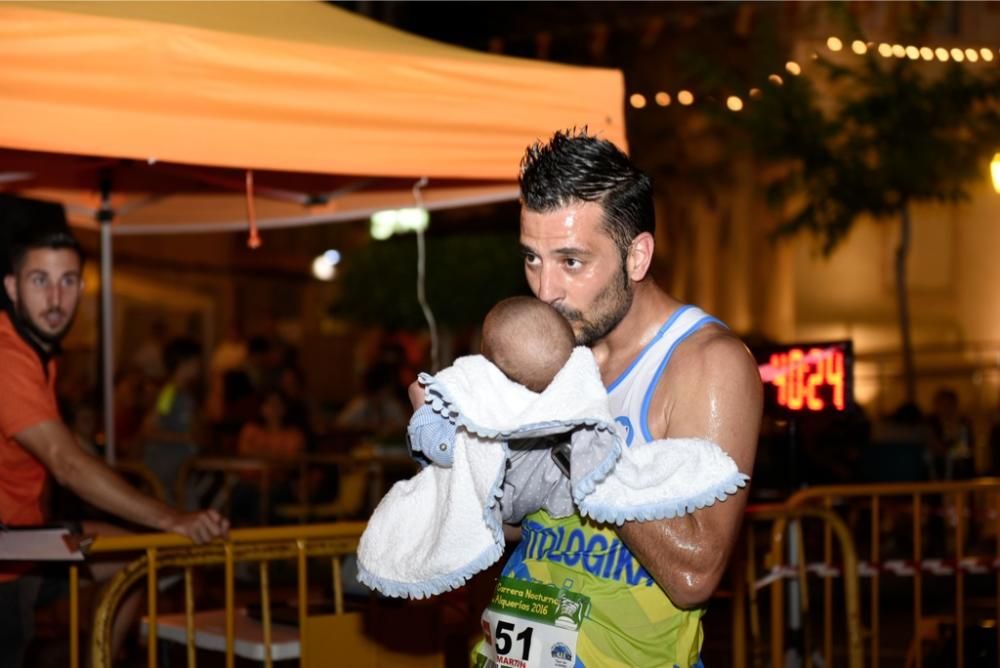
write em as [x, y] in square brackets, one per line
[532, 625]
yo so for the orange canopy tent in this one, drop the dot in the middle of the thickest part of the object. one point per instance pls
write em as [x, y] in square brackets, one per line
[153, 117]
[337, 115]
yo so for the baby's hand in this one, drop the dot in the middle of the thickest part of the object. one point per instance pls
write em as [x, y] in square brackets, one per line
[430, 437]
[416, 394]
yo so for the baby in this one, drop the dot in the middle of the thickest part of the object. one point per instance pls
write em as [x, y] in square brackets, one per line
[490, 434]
[528, 340]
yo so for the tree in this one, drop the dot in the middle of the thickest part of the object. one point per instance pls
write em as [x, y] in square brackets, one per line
[880, 138]
[466, 275]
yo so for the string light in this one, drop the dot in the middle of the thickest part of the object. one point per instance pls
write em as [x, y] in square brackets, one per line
[836, 44]
[995, 171]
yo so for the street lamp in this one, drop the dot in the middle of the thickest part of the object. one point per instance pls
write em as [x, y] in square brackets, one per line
[995, 171]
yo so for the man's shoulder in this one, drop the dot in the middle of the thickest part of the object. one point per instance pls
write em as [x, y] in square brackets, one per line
[713, 354]
[13, 348]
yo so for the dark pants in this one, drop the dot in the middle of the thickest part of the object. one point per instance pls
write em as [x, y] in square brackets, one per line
[18, 600]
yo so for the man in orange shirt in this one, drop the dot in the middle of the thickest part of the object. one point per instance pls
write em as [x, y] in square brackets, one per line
[43, 283]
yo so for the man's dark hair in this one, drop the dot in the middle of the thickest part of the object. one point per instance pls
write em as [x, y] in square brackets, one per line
[574, 167]
[178, 351]
[28, 224]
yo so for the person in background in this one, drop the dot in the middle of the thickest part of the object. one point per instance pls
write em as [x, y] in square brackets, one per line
[952, 442]
[148, 357]
[291, 384]
[43, 266]
[260, 364]
[271, 435]
[378, 408]
[170, 430]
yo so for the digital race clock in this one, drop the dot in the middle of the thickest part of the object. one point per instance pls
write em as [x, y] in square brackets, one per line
[807, 377]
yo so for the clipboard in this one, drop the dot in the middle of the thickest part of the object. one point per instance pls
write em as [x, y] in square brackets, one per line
[42, 543]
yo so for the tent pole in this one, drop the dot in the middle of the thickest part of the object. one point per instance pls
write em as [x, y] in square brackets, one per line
[104, 217]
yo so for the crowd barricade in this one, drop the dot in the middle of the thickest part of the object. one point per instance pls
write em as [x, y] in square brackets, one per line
[763, 563]
[919, 544]
[324, 636]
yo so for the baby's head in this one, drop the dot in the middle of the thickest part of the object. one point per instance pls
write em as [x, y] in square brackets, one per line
[528, 340]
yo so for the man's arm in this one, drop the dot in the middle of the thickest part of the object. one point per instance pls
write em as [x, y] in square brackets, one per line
[95, 482]
[711, 390]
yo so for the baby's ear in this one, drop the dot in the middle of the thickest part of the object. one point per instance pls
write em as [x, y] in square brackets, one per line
[640, 256]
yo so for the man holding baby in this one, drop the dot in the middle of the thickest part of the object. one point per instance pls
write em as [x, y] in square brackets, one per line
[631, 595]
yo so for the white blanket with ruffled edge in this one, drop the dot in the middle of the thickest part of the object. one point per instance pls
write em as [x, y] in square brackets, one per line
[431, 533]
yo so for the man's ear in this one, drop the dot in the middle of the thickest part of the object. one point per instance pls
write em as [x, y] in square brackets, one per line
[640, 256]
[10, 285]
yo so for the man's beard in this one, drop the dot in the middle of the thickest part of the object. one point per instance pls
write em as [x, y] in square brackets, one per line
[44, 337]
[609, 308]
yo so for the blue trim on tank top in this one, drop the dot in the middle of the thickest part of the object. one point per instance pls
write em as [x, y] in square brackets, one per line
[646, 400]
[659, 335]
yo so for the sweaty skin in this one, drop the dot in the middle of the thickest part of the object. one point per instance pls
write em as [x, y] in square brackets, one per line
[711, 388]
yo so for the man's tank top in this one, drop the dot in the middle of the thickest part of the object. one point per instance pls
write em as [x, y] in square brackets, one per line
[631, 621]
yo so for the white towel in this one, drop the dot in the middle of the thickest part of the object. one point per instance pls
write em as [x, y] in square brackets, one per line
[431, 533]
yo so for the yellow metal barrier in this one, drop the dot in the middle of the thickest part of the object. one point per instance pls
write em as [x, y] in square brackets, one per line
[748, 581]
[958, 506]
[261, 545]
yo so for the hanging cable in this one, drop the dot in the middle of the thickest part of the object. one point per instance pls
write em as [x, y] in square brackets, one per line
[253, 241]
[421, 277]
